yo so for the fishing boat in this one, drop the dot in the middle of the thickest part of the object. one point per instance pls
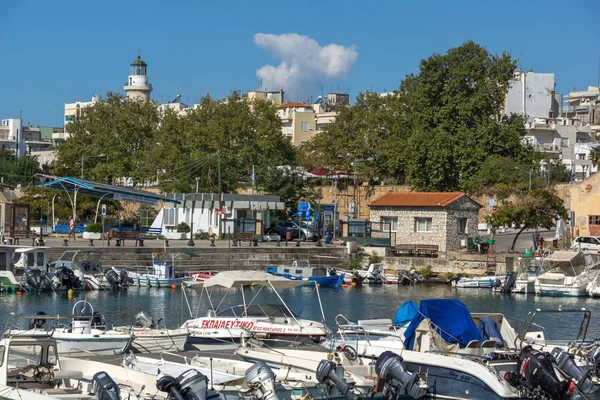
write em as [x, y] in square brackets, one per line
[149, 337]
[162, 273]
[79, 270]
[274, 322]
[300, 270]
[24, 269]
[569, 273]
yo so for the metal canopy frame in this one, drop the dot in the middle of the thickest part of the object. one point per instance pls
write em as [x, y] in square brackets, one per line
[104, 190]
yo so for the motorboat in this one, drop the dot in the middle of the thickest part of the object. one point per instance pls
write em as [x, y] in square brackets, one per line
[374, 275]
[24, 269]
[32, 368]
[272, 322]
[522, 282]
[87, 334]
[79, 269]
[162, 273]
[475, 282]
[151, 338]
[301, 270]
[569, 273]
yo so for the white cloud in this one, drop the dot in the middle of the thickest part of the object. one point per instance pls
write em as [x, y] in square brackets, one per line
[304, 66]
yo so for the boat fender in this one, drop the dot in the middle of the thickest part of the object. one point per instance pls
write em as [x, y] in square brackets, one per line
[104, 387]
[261, 380]
[399, 382]
[326, 373]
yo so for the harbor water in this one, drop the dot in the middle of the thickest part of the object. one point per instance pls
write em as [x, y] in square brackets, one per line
[174, 306]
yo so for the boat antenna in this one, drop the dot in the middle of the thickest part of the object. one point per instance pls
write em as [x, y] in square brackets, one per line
[212, 386]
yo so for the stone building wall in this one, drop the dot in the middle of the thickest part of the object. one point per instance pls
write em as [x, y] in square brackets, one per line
[406, 232]
[453, 238]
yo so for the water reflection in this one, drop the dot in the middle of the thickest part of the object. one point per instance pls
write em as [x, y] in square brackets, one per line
[353, 302]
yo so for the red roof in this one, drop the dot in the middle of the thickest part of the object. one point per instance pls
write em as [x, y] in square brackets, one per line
[417, 199]
[290, 105]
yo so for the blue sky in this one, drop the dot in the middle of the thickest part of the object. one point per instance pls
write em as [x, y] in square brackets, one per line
[64, 51]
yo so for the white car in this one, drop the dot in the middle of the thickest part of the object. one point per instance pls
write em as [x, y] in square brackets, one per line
[586, 243]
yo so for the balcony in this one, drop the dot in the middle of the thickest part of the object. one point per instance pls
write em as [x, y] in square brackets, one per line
[5, 137]
[548, 147]
[287, 130]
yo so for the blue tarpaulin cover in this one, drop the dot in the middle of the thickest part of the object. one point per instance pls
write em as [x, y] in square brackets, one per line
[489, 330]
[406, 313]
[452, 318]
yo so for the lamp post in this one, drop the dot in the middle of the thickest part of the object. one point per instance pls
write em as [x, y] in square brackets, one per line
[41, 239]
[83, 158]
[527, 172]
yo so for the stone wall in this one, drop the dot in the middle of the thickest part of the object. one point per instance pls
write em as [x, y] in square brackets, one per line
[406, 232]
[453, 237]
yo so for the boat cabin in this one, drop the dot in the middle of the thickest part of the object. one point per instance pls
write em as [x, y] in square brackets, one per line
[87, 261]
[16, 259]
[302, 268]
[27, 360]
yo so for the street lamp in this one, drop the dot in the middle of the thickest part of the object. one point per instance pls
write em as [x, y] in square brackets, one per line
[527, 172]
[83, 158]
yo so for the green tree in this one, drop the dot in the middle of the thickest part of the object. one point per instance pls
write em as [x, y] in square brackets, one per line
[122, 129]
[538, 208]
[20, 172]
[437, 130]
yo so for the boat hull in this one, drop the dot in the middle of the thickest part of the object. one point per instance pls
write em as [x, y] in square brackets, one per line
[157, 340]
[79, 345]
[468, 283]
[326, 281]
[560, 291]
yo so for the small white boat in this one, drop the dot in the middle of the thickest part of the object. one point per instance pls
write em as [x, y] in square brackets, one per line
[273, 322]
[149, 338]
[476, 282]
[569, 274]
[79, 270]
[161, 274]
[87, 335]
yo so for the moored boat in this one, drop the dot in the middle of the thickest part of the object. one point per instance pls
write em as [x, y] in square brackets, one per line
[301, 270]
[149, 337]
[569, 273]
[24, 269]
[162, 273]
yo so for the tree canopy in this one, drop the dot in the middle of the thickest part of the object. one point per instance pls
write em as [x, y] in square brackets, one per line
[142, 142]
[437, 130]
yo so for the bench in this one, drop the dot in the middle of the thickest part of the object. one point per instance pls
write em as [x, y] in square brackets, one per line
[121, 236]
[151, 231]
[244, 237]
[405, 249]
[428, 250]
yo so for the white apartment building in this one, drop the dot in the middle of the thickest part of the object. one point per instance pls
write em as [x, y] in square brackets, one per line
[533, 95]
[584, 105]
[22, 139]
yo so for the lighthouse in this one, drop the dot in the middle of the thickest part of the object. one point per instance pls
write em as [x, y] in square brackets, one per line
[137, 84]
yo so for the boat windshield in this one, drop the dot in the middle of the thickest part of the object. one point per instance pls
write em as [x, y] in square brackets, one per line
[67, 256]
[88, 256]
[24, 355]
[257, 310]
[568, 270]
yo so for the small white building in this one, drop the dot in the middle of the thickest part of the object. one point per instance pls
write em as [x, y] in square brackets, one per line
[202, 209]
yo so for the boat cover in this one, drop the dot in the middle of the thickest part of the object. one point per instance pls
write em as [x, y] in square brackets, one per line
[406, 313]
[229, 279]
[452, 319]
[489, 330]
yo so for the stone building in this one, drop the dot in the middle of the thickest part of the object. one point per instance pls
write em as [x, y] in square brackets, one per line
[443, 219]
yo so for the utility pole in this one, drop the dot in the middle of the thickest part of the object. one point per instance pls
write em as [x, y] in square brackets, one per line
[220, 190]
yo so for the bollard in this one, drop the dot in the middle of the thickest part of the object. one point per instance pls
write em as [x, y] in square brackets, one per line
[319, 244]
[212, 242]
[91, 242]
[278, 242]
[65, 242]
[166, 242]
[298, 243]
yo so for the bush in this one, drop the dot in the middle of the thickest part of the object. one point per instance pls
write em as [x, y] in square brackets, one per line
[374, 259]
[448, 275]
[94, 227]
[425, 272]
[183, 228]
[356, 263]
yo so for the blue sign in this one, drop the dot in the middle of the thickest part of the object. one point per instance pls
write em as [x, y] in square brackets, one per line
[299, 214]
[303, 206]
[307, 217]
[103, 209]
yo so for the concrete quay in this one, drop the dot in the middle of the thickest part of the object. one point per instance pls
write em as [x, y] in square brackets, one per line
[223, 256]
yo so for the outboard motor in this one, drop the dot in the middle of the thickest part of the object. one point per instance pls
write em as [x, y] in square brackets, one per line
[144, 321]
[377, 277]
[190, 385]
[399, 382]
[104, 387]
[68, 278]
[566, 363]
[125, 279]
[97, 320]
[261, 380]
[112, 277]
[535, 370]
[415, 277]
[509, 282]
[31, 279]
[326, 373]
[403, 277]
[356, 278]
[37, 323]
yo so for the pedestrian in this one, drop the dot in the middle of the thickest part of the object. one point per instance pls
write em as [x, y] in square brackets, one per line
[536, 239]
[72, 229]
[541, 243]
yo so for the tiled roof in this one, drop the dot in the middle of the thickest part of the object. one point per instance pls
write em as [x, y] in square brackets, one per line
[417, 199]
[290, 105]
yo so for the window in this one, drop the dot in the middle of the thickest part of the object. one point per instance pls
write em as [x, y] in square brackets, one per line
[286, 270]
[30, 260]
[170, 217]
[3, 263]
[564, 142]
[581, 156]
[461, 226]
[594, 219]
[389, 223]
[52, 358]
[40, 259]
[305, 126]
[2, 349]
[422, 224]
[299, 272]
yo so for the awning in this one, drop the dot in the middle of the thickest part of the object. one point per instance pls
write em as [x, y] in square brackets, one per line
[105, 190]
[229, 279]
[563, 256]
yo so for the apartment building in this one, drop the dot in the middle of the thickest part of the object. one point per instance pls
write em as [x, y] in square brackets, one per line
[533, 95]
[585, 106]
